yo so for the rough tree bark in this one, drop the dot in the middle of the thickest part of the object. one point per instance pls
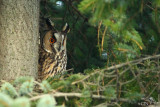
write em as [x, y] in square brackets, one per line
[19, 32]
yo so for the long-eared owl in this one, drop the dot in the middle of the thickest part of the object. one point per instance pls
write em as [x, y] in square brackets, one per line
[52, 51]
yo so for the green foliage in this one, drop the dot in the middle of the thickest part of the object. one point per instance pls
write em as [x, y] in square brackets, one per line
[10, 98]
[132, 30]
[21, 80]
[118, 17]
[75, 77]
[86, 100]
[26, 88]
[5, 100]
[157, 3]
[96, 87]
[84, 6]
[64, 83]
[86, 93]
[45, 86]
[21, 102]
[124, 30]
[110, 93]
[134, 96]
[7, 88]
[47, 101]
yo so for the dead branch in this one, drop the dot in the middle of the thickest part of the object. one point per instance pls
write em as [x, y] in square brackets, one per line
[116, 67]
[60, 94]
[131, 62]
[79, 95]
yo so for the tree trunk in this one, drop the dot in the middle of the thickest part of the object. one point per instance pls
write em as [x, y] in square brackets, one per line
[19, 31]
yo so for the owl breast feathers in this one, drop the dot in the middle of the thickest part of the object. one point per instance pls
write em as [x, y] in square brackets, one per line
[52, 52]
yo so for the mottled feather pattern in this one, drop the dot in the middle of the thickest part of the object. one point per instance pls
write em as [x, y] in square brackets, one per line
[52, 64]
[52, 54]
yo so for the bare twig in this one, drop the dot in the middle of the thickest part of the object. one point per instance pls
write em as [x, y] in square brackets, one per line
[104, 33]
[116, 67]
[117, 85]
[131, 62]
[79, 95]
[60, 94]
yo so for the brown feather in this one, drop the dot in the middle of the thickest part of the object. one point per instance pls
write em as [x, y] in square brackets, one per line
[52, 56]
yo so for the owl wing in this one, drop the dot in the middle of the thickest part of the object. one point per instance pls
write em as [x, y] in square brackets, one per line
[48, 68]
[50, 64]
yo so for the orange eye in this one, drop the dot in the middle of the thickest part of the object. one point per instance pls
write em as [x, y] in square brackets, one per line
[52, 40]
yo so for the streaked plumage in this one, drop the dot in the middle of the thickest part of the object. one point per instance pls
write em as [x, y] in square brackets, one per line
[53, 56]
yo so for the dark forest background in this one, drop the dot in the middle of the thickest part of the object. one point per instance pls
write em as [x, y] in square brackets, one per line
[106, 32]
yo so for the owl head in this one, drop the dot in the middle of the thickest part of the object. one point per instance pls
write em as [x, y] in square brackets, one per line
[55, 41]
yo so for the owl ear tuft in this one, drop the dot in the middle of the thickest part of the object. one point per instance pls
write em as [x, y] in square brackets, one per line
[66, 28]
[50, 24]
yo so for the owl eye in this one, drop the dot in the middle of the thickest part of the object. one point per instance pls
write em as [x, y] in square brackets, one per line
[52, 40]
